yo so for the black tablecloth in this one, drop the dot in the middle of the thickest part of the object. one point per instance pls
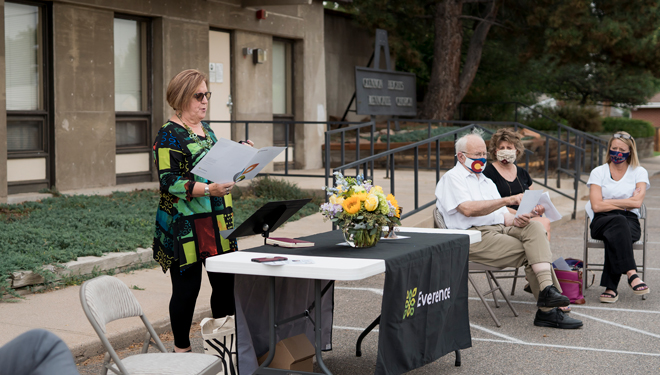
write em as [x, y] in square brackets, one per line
[424, 311]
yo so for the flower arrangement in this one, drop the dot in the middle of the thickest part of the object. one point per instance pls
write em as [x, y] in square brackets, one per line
[360, 209]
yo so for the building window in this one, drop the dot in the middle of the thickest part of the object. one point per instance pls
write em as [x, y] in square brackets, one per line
[132, 98]
[282, 57]
[24, 136]
[130, 37]
[23, 47]
[28, 109]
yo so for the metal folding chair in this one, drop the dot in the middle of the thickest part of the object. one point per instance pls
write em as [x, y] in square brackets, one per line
[590, 243]
[105, 299]
[475, 267]
[438, 220]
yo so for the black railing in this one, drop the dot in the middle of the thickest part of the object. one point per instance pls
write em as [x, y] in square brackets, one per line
[594, 144]
[570, 164]
[342, 134]
[288, 128]
[363, 163]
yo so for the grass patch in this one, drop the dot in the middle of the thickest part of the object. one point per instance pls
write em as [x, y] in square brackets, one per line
[61, 229]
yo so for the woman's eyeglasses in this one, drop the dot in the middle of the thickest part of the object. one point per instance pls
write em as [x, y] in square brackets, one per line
[624, 136]
[200, 95]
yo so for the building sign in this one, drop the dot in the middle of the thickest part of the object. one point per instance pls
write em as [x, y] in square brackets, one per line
[383, 92]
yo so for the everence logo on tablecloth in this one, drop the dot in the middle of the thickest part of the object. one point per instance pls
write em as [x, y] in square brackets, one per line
[410, 303]
[424, 299]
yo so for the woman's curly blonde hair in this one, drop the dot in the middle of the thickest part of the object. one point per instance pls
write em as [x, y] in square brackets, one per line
[505, 135]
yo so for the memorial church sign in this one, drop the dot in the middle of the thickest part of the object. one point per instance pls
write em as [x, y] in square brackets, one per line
[384, 91]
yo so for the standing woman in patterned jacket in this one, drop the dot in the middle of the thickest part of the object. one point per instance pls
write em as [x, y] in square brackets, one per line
[192, 210]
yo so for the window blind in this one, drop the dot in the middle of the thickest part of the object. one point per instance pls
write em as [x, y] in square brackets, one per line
[21, 56]
[128, 87]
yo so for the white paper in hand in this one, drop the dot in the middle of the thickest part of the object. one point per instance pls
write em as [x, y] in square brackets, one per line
[529, 200]
[229, 161]
[550, 210]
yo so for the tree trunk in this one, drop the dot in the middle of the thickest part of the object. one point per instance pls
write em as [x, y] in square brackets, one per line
[440, 101]
[449, 83]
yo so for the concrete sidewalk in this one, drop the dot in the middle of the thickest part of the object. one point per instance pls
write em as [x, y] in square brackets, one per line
[60, 312]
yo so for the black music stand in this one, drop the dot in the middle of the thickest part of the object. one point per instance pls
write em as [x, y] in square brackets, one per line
[266, 219]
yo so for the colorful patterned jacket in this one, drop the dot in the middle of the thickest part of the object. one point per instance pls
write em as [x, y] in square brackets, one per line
[187, 227]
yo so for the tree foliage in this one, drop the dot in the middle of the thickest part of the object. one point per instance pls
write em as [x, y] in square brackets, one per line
[590, 51]
[580, 50]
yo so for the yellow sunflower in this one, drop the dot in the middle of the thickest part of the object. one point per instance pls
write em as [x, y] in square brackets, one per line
[351, 205]
[392, 200]
[361, 196]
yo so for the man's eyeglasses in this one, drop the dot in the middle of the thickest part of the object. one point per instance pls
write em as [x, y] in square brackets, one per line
[481, 155]
[200, 95]
[624, 136]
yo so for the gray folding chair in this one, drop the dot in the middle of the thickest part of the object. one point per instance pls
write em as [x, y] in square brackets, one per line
[475, 267]
[590, 243]
[105, 299]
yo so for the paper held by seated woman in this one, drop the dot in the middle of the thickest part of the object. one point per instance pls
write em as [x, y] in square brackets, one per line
[531, 198]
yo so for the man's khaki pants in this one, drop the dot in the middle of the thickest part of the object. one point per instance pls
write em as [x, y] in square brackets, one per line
[503, 246]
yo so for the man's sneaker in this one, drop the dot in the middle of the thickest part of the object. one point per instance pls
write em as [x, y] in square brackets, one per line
[550, 297]
[556, 318]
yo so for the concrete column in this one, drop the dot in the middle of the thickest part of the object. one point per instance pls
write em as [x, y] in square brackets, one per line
[253, 89]
[84, 97]
[312, 74]
[3, 109]
[178, 45]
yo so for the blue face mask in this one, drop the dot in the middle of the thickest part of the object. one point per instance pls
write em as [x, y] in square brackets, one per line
[475, 165]
[618, 157]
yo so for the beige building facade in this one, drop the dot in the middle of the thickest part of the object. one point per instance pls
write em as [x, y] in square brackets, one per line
[83, 82]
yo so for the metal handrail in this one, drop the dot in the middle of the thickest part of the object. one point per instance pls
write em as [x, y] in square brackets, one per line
[287, 137]
[575, 173]
[581, 137]
[343, 131]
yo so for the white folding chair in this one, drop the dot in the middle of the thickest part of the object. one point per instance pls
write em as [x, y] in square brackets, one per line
[105, 299]
[590, 243]
[475, 267]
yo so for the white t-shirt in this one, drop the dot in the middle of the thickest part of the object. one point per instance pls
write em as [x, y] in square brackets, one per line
[621, 189]
[458, 185]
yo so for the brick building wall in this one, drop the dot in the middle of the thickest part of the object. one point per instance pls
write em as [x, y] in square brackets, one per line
[651, 113]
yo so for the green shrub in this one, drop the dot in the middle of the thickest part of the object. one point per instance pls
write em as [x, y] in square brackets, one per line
[263, 190]
[265, 187]
[636, 128]
[586, 119]
[543, 123]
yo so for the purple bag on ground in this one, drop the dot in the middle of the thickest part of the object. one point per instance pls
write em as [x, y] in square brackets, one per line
[571, 281]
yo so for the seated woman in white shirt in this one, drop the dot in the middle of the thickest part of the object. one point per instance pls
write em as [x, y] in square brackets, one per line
[616, 192]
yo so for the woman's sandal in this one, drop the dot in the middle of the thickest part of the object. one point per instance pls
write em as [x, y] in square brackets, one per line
[608, 297]
[640, 288]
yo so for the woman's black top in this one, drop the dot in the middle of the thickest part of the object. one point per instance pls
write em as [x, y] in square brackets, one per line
[522, 182]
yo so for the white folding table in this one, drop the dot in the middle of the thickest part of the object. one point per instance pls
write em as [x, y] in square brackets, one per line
[322, 268]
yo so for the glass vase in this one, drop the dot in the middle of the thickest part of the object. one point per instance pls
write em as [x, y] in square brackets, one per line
[361, 237]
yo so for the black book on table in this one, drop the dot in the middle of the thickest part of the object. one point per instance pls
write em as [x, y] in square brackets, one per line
[266, 219]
